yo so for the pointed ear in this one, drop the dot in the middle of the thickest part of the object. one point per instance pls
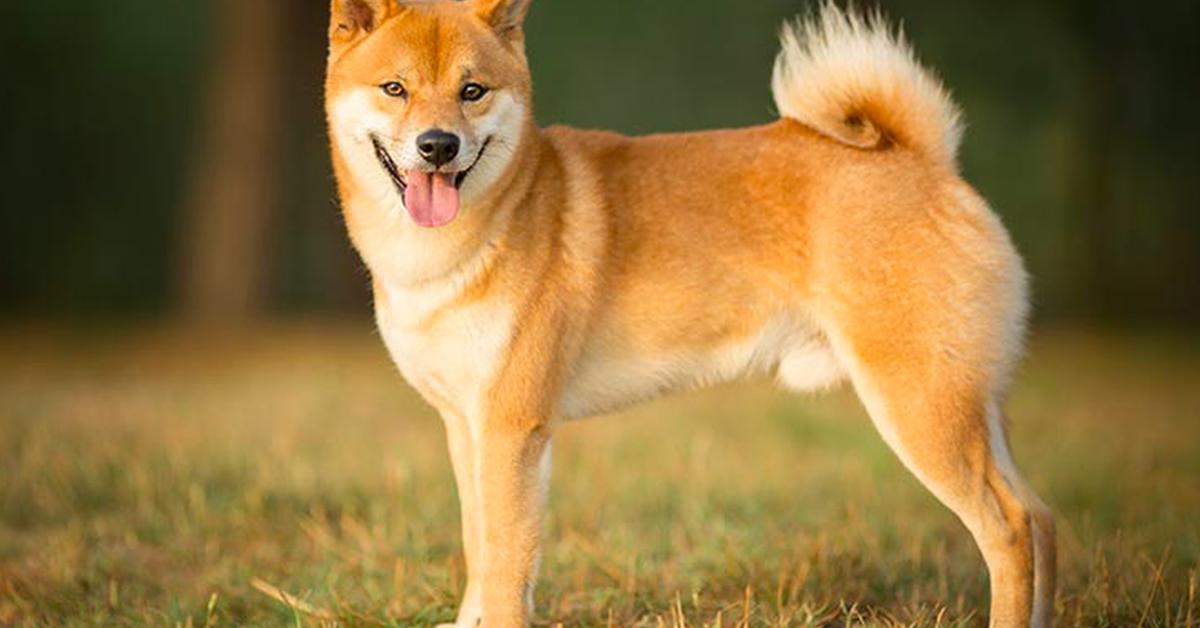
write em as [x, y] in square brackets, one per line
[351, 18]
[505, 16]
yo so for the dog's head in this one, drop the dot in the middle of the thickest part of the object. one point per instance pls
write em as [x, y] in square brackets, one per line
[428, 100]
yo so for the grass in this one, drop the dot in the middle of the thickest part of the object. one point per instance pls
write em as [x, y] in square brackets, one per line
[288, 477]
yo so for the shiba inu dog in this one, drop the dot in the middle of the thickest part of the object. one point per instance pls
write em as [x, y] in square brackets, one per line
[524, 277]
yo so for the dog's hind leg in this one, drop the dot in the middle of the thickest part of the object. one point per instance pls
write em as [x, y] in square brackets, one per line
[948, 431]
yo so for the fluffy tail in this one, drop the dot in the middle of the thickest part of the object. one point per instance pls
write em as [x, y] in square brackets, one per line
[856, 80]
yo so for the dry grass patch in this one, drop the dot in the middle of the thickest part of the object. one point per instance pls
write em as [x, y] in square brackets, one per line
[287, 476]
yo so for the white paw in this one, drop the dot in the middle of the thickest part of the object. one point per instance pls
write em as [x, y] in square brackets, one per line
[463, 622]
[470, 613]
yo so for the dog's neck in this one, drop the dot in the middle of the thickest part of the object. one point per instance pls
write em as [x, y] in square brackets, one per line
[405, 256]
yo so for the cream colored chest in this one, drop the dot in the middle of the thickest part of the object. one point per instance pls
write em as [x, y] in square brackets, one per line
[451, 353]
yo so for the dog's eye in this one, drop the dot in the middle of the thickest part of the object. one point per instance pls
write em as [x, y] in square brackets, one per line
[395, 89]
[473, 92]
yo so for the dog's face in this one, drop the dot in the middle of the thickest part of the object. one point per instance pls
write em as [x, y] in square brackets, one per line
[428, 101]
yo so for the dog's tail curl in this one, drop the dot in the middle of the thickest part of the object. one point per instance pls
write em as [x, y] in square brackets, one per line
[856, 80]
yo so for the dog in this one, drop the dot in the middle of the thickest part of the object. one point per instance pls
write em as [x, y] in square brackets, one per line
[526, 277]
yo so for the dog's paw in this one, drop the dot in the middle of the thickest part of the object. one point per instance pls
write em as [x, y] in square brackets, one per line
[469, 624]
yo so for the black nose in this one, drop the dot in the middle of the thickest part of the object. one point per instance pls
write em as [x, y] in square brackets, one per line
[438, 147]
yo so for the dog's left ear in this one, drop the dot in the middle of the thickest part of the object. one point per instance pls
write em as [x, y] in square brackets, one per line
[506, 16]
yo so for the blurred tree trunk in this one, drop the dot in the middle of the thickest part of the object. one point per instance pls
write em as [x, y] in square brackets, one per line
[226, 244]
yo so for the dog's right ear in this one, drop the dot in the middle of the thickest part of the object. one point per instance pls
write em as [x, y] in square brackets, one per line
[351, 19]
[505, 16]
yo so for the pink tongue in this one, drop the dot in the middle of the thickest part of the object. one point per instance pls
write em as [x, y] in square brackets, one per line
[431, 198]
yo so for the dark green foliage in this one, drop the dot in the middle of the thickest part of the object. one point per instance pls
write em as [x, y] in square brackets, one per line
[1080, 135]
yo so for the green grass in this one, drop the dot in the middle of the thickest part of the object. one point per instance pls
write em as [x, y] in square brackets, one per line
[156, 477]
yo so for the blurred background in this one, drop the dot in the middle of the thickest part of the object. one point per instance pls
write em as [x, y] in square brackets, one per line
[169, 158]
[198, 425]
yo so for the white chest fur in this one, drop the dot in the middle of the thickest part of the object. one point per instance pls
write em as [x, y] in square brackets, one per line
[448, 351]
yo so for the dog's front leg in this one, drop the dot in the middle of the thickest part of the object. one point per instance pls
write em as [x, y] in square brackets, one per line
[514, 464]
[463, 456]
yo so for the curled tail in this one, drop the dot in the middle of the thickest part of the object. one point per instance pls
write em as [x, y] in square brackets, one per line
[856, 80]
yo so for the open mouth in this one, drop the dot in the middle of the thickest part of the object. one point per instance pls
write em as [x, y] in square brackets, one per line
[389, 165]
[393, 171]
[431, 198]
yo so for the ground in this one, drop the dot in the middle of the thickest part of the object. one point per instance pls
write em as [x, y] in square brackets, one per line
[286, 476]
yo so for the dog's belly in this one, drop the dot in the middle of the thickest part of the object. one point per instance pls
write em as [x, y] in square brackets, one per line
[606, 380]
